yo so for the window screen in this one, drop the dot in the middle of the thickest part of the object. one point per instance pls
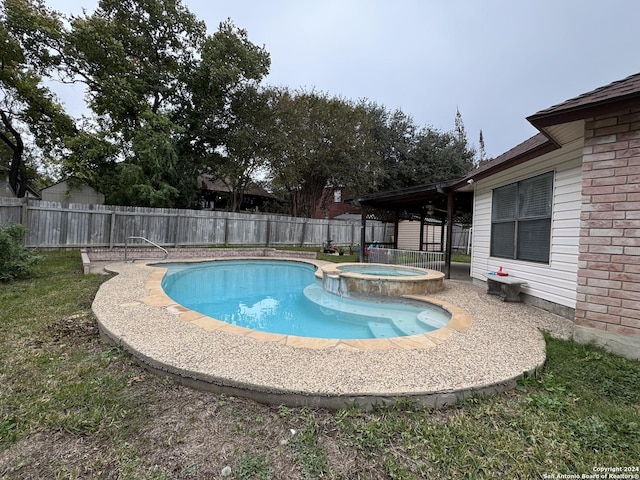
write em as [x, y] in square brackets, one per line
[521, 219]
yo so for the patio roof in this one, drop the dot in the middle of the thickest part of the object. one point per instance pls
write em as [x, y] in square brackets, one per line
[419, 199]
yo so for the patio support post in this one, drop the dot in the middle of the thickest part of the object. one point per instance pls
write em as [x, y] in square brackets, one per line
[422, 218]
[396, 229]
[450, 210]
[363, 234]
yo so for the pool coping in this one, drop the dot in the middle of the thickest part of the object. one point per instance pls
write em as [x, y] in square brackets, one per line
[133, 313]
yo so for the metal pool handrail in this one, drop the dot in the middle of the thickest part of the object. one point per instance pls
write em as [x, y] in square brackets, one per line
[126, 247]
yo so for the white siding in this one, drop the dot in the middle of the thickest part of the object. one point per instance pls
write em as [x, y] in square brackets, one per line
[409, 235]
[557, 281]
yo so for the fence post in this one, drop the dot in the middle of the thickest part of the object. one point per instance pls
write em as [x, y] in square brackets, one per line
[268, 232]
[64, 224]
[176, 232]
[304, 232]
[112, 228]
[24, 213]
[24, 218]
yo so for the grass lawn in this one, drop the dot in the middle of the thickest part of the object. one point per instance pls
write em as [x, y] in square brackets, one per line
[460, 257]
[72, 406]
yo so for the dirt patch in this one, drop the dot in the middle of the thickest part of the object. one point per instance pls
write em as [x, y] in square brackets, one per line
[197, 434]
[187, 434]
[79, 328]
[55, 454]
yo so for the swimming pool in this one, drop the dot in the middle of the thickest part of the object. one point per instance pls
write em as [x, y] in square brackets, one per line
[285, 297]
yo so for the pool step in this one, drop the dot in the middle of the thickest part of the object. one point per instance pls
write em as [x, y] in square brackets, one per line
[384, 330]
[382, 323]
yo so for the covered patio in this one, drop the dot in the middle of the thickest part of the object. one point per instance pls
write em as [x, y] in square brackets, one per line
[443, 203]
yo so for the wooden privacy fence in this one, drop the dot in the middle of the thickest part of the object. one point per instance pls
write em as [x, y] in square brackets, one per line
[53, 224]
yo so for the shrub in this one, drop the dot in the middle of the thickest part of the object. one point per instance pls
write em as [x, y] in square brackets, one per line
[15, 259]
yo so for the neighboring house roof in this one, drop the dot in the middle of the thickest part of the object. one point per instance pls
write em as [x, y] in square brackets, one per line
[4, 183]
[206, 183]
[73, 181]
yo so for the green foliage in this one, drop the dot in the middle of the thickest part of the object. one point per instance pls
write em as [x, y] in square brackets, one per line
[460, 257]
[308, 452]
[134, 56]
[247, 142]
[33, 124]
[253, 467]
[320, 141]
[148, 177]
[413, 156]
[16, 260]
[161, 90]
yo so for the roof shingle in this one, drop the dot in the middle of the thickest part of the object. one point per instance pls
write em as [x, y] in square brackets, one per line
[615, 94]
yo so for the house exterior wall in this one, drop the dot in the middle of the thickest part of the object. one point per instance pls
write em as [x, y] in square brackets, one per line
[63, 192]
[332, 204]
[5, 189]
[608, 295]
[554, 282]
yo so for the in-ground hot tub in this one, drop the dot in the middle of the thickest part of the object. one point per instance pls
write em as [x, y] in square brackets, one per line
[347, 279]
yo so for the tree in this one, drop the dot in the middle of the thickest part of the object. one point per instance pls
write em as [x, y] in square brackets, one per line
[33, 123]
[459, 130]
[149, 175]
[228, 115]
[482, 153]
[158, 85]
[323, 142]
[394, 134]
[247, 143]
[412, 156]
[135, 58]
[438, 156]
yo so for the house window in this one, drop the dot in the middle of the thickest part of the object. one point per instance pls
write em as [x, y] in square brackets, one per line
[521, 219]
[337, 196]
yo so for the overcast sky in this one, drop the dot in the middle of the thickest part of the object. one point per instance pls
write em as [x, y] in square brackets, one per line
[497, 61]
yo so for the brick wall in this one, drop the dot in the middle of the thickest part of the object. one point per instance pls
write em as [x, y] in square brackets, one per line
[608, 294]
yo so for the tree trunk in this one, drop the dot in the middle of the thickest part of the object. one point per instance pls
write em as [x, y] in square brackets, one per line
[17, 171]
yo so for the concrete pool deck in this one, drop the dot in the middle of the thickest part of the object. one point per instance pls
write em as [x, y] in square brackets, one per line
[489, 346]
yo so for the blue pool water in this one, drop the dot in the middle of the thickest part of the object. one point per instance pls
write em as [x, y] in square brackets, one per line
[285, 297]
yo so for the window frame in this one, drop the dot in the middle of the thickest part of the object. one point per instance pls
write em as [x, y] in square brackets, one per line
[518, 219]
